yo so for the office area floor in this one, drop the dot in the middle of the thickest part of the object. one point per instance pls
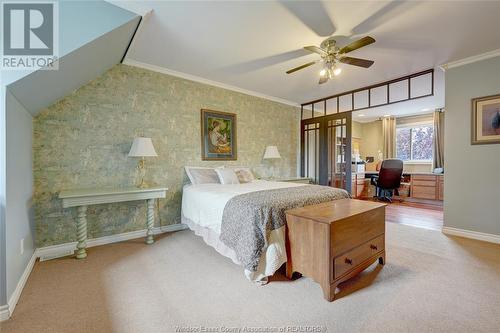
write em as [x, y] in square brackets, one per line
[422, 214]
[415, 214]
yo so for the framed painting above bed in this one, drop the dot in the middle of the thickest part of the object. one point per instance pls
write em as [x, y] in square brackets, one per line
[218, 136]
[486, 120]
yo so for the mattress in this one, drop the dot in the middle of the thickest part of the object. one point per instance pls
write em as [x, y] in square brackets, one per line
[202, 210]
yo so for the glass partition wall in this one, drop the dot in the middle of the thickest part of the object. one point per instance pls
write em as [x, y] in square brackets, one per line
[326, 150]
[326, 125]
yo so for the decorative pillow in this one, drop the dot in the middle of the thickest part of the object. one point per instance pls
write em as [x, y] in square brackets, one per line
[227, 176]
[245, 175]
[199, 175]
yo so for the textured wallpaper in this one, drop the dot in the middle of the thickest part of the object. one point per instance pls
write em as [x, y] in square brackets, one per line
[83, 140]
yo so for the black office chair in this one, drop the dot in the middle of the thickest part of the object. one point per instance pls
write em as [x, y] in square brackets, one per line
[388, 179]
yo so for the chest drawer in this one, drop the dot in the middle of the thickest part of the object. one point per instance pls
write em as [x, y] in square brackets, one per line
[347, 261]
[356, 230]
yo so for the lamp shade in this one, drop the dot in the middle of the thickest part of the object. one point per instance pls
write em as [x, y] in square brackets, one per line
[271, 152]
[142, 147]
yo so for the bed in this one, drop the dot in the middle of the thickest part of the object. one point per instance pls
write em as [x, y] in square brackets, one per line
[229, 218]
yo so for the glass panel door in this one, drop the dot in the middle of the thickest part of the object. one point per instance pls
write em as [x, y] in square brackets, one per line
[339, 157]
[310, 150]
[326, 150]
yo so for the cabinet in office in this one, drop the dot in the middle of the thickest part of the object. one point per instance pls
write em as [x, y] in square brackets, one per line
[427, 186]
[359, 184]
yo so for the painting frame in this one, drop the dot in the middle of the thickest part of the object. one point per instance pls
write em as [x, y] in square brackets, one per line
[479, 135]
[206, 116]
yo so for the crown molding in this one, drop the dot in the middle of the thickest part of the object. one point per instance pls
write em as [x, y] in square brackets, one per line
[198, 79]
[469, 60]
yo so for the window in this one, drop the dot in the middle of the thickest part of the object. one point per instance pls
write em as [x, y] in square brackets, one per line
[414, 143]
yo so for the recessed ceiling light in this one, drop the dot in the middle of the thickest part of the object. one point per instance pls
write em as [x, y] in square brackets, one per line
[426, 109]
[387, 115]
[361, 115]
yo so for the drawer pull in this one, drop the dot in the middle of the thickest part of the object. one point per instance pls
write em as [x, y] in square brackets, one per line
[373, 247]
[348, 261]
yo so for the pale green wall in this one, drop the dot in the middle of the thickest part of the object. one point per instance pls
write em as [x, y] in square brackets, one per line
[472, 185]
[371, 141]
[357, 129]
[83, 141]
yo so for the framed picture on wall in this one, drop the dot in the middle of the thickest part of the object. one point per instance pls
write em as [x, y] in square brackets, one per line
[486, 120]
[218, 136]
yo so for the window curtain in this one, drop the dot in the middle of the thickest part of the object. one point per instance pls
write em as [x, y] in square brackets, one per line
[438, 142]
[389, 133]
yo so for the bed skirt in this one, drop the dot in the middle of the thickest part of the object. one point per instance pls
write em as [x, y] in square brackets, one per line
[270, 261]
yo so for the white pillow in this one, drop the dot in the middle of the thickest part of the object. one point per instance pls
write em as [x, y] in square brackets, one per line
[245, 175]
[200, 175]
[227, 176]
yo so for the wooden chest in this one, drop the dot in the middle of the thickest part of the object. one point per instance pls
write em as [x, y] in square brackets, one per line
[334, 241]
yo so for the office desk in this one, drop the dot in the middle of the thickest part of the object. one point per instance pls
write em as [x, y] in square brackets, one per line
[423, 185]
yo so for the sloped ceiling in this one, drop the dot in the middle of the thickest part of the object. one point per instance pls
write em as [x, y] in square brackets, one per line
[94, 36]
[250, 44]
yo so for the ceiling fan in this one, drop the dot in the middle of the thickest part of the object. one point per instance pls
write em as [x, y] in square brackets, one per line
[331, 55]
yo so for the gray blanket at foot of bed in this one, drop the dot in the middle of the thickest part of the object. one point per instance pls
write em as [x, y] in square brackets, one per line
[248, 218]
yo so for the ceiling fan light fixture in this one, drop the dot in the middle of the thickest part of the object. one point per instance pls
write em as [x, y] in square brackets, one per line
[331, 55]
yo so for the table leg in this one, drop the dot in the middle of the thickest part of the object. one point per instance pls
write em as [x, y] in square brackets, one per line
[81, 232]
[150, 221]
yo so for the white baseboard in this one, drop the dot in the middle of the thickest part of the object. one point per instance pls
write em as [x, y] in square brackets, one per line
[4, 312]
[491, 238]
[61, 250]
[20, 285]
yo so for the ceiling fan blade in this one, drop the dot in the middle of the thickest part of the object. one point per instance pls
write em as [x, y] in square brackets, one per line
[300, 67]
[315, 49]
[357, 62]
[323, 79]
[357, 44]
[313, 14]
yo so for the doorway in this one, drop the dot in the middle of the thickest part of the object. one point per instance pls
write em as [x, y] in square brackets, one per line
[326, 150]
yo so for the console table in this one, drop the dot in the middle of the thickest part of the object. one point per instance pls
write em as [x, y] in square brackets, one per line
[85, 197]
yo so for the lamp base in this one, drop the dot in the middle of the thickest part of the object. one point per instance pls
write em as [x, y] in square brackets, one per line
[142, 172]
[142, 185]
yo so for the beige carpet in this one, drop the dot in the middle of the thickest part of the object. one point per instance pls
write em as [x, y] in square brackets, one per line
[431, 283]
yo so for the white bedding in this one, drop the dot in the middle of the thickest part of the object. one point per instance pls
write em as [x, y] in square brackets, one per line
[202, 209]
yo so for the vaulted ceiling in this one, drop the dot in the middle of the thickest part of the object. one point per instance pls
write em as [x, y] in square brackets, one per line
[86, 51]
[250, 44]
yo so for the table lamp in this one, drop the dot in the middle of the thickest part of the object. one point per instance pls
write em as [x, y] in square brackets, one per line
[272, 153]
[142, 147]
